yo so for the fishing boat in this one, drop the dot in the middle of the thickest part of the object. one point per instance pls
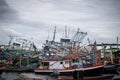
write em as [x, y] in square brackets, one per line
[67, 57]
[2, 62]
[22, 65]
[113, 63]
[2, 66]
[20, 55]
[110, 56]
[111, 59]
[67, 67]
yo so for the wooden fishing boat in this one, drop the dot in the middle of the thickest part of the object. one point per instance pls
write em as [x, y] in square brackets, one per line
[20, 55]
[1, 70]
[68, 67]
[113, 64]
[2, 62]
[2, 66]
[68, 58]
[24, 64]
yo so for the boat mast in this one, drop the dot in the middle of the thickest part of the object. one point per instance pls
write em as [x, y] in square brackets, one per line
[78, 37]
[117, 42]
[66, 32]
[54, 34]
[111, 54]
[11, 38]
[65, 51]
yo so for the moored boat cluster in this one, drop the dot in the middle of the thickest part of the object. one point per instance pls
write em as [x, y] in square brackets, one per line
[67, 57]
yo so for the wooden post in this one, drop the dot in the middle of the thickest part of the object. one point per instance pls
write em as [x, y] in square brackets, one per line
[75, 75]
[78, 75]
[81, 75]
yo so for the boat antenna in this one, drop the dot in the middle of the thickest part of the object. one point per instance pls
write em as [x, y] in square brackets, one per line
[54, 34]
[88, 40]
[65, 31]
[48, 35]
[11, 38]
[117, 42]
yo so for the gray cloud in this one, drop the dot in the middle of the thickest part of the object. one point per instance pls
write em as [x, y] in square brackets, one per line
[7, 14]
[37, 18]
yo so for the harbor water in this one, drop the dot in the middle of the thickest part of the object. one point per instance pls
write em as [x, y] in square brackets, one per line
[22, 76]
[33, 76]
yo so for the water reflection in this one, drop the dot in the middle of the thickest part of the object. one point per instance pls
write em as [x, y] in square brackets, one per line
[33, 76]
[9, 75]
[15, 75]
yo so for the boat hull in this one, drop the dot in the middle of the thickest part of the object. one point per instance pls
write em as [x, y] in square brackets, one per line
[111, 69]
[92, 71]
[1, 71]
[19, 70]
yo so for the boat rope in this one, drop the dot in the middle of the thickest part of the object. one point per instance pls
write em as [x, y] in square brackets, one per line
[53, 63]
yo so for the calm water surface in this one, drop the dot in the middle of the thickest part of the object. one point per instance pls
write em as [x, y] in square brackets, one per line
[15, 75]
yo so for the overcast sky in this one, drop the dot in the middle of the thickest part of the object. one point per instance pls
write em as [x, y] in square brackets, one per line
[36, 19]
